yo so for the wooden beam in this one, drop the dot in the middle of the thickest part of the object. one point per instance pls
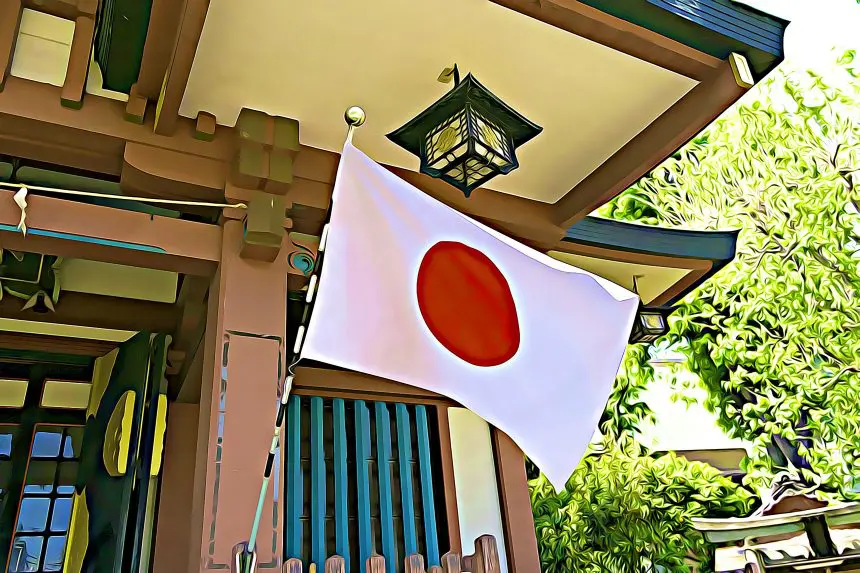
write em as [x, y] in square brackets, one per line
[192, 18]
[72, 94]
[329, 382]
[525, 219]
[10, 22]
[680, 123]
[66, 9]
[618, 34]
[96, 311]
[682, 285]
[189, 333]
[97, 138]
[158, 172]
[73, 229]
[520, 538]
[93, 138]
[55, 344]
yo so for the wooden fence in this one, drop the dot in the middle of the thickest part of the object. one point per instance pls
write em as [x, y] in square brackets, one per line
[484, 560]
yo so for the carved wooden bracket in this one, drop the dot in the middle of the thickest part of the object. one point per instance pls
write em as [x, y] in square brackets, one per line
[264, 227]
[265, 148]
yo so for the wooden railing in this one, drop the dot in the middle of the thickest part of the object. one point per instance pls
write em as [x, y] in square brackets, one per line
[484, 560]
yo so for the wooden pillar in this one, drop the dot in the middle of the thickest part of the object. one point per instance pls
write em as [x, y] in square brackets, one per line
[245, 352]
[10, 21]
[177, 485]
[520, 536]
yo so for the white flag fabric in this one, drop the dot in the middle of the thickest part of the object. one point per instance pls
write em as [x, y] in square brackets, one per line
[416, 292]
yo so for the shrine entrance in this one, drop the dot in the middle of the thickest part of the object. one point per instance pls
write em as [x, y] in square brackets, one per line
[80, 454]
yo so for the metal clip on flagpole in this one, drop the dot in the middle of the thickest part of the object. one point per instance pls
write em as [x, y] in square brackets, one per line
[245, 554]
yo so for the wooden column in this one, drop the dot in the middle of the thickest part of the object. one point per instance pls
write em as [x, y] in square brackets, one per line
[177, 484]
[245, 352]
[10, 21]
[520, 536]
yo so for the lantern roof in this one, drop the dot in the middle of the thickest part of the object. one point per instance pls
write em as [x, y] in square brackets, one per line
[468, 91]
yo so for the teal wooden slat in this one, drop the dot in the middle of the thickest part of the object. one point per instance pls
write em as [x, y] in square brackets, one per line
[386, 506]
[318, 498]
[341, 479]
[362, 480]
[295, 478]
[404, 455]
[422, 429]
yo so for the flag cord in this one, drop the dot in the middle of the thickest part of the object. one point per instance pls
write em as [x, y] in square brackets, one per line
[246, 559]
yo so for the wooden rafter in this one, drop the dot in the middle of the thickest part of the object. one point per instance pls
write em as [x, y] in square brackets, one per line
[191, 22]
[618, 34]
[687, 117]
[72, 94]
[164, 18]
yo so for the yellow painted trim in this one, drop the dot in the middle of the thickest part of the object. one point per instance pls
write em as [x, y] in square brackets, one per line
[117, 440]
[102, 370]
[158, 438]
[64, 330]
[78, 536]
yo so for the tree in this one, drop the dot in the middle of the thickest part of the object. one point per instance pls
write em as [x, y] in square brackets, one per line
[625, 513]
[775, 337]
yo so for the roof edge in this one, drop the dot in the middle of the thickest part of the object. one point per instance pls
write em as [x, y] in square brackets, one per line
[719, 247]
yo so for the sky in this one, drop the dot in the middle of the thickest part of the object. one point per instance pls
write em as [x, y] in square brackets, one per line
[817, 26]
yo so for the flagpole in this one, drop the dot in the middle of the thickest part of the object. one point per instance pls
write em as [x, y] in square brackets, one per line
[245, 553]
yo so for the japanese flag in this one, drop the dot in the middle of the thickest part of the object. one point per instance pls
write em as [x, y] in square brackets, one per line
[413, 291]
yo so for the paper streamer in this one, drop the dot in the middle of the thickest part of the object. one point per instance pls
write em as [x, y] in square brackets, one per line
[21, 199]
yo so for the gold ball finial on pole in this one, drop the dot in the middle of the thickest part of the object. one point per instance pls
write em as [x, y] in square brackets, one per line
[354, 116]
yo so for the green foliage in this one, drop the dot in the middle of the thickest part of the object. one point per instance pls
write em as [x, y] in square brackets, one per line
[625, 513]
[775, 337]
[624, 410]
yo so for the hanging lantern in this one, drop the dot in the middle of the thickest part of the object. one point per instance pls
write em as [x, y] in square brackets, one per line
[650, 324]
[467, 137]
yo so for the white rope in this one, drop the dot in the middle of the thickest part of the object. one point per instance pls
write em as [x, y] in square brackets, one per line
[122, 197]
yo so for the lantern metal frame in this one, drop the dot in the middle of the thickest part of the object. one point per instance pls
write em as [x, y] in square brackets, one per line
[467, 137]
[644, 332]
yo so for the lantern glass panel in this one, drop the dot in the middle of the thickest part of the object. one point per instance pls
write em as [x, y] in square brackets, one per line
[446, 143]
[492, 144]
[469, 173]
[653, 321]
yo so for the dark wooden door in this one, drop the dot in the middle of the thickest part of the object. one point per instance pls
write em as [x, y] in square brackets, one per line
[107, 530]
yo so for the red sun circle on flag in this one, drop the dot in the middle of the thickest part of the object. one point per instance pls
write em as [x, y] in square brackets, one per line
[467, 304]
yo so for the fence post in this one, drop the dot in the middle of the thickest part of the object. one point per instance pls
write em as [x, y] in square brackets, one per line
[486, 557]
[335, 564]
[451, 563]
[414, 564]
[375, 564]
